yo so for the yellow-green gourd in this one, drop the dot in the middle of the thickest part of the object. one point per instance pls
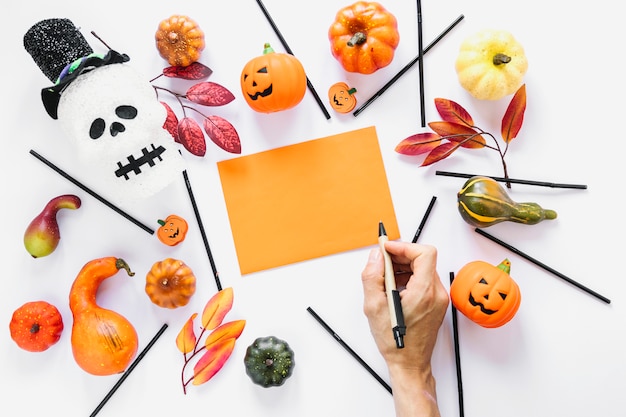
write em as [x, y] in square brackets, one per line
[483, 202]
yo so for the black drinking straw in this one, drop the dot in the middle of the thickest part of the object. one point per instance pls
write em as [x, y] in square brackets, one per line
[288, 49]
[349, 349]
[514, 181]
[457, 355]
[420, 48]
[129, 370]
[406, 67]
[91, 192]
[418, 232]
[542, 265]
[202, 231]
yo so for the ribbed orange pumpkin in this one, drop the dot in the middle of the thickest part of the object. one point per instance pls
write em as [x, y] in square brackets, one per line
[170, 283]
[36, 326]
[273, 81]
[486, 294]
[179, 40]
[364, 37]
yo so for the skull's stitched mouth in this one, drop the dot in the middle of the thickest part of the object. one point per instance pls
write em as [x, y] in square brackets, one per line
[482, 307]
[134, 165]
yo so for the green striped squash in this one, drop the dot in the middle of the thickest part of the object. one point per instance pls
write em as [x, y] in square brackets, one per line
[483, 202]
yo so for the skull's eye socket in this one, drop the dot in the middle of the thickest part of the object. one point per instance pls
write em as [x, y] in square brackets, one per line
[126, 112]
[97, 128]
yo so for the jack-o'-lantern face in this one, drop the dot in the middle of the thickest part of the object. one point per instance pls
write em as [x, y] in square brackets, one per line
[341, 97]
[485, 293]
[172, 230]
[273, 81]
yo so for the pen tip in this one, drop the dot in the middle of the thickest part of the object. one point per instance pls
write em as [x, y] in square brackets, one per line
[381, 229]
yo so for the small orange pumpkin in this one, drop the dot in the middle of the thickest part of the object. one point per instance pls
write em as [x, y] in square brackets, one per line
[179, 40]
[486, 294]
[36, 326]
[341, 97]
[173, 230]
[364, 37]
[170, 283]
[273, 81]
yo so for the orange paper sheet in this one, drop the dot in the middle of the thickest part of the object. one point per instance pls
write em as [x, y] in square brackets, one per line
[307, 200]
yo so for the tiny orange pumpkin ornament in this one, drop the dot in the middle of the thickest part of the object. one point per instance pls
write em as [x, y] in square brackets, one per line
[172, 230]
[170, 283]
[341, 97]
[364, 37]
[179, 40]
[36, 326]
[273, 81]
[486, 294]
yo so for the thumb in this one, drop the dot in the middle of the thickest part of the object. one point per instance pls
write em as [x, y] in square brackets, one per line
[372, 275]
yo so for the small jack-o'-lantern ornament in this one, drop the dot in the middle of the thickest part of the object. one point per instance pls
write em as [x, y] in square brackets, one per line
[172, 230]
[486, 294]
[273, 81]
[341, 97]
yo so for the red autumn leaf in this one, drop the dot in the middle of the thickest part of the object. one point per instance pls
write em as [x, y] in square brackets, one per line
[212, 361]
[418, 144]
[451, 111]
[440, 152]
[514, 115]
[222, 133]
[216, 308]
[171, 122]
[186, 339]
[191, 137]
[455, 132]
[230, 330]
[195, 71]
[209, 94]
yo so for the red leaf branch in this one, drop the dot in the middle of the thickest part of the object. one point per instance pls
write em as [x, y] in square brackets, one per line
[457, 130]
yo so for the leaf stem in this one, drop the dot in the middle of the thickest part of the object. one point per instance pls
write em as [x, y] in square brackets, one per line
[188, 359]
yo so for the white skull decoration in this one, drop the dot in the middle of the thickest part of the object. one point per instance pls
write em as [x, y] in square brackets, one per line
[108, 111]
[116, 123]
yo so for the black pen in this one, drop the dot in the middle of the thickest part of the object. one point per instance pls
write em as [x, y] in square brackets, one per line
[393, 295]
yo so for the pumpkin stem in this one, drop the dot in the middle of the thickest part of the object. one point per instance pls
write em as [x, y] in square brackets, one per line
[357, 39]
[269, 362]
[499, 59]
[34, 328]
[267, 49]
[352, 91]
[120, 263]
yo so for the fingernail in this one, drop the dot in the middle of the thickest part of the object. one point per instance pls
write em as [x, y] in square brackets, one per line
[374, 255]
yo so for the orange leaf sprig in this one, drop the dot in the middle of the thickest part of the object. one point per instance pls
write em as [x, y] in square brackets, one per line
[457, 130]
[217, 346]
[187, 130]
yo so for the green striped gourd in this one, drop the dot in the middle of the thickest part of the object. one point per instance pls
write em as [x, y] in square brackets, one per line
[483, 202]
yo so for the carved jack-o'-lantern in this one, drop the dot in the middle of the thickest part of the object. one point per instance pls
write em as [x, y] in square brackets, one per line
[486, 294]
[273, 81]
[341, 97]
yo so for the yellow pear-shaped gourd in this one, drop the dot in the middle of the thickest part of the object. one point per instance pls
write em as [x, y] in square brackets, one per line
[491, 64]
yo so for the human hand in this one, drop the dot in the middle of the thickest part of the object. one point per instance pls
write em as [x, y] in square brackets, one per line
[424, 303]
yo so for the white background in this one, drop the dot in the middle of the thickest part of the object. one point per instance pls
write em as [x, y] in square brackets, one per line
[562, 354]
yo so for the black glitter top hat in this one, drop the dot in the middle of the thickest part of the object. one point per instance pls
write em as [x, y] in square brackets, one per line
[62, 54]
